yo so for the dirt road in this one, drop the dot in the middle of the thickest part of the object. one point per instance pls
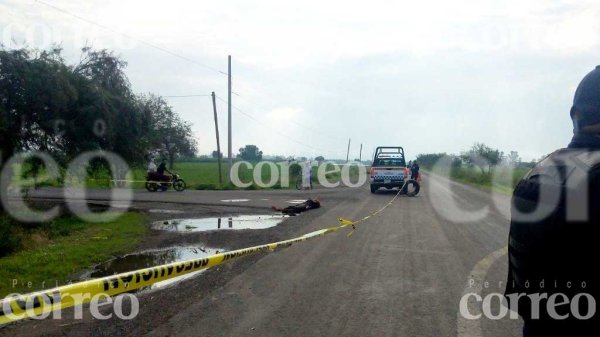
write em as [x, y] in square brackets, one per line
[402, 273]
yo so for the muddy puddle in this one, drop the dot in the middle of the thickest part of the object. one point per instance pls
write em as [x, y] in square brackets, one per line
[220, 223]
[151, 258]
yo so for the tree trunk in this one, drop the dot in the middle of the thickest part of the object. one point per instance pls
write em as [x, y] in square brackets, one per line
[171, 159]
[5, 154]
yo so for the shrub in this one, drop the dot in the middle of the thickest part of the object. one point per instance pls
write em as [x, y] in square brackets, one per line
[10, 241]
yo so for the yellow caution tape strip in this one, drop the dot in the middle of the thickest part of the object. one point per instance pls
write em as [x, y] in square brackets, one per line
[46, 301]
[42, 302]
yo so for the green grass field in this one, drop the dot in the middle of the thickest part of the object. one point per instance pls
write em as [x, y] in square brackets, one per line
[50, 252]
[197, 175]
[205, 175]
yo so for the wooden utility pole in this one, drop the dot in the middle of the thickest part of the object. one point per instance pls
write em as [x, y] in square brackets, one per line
[348, 151]
[229, 151]
[360, 154]
[219, 155]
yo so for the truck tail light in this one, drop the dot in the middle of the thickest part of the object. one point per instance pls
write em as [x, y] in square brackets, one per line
[372, 172]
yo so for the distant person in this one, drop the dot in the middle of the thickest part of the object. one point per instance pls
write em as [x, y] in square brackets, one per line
[151, 166]
[414, 170]
[307, 175]
[160, 174]
[151, 172]
[552, 245]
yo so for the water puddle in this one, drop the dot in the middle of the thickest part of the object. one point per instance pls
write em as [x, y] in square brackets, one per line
[121, 205]
[209, 224]
[152, 258]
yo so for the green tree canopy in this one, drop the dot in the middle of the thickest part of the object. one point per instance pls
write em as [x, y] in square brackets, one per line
[64, 110]
[250, 153]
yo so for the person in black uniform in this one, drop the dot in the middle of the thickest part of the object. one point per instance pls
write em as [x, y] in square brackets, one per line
[414, 170]
[554, 230]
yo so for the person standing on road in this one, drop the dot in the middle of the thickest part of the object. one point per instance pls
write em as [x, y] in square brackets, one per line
[414, 170]
[555, 215]
[307, 175]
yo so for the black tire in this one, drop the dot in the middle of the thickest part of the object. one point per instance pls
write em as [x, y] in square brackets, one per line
[374, 189]
[179, 185]
[412, 192]
[151, 187]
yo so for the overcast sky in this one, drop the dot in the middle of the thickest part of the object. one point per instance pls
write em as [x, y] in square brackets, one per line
[432, 76]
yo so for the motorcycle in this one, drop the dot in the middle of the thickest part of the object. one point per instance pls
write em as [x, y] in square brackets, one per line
[153, 184]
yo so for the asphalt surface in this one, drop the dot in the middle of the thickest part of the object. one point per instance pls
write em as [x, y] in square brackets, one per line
[402, 272]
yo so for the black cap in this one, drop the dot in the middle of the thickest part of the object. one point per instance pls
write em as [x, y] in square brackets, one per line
[586, 103]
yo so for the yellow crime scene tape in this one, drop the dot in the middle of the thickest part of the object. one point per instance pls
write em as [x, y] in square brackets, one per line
[42, 302]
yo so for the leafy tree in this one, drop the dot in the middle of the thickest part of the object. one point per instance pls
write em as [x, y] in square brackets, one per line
[320, 159]
[35, 91]
[64, 110]
[106, 113]
[482, 156]
[215, 154]
[250, 153]
[513, 158]
[429, 159]
[170, 134]
[49, 106]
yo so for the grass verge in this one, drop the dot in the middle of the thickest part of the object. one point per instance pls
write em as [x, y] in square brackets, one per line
[500, 179]
[199, 176]
[47, 261]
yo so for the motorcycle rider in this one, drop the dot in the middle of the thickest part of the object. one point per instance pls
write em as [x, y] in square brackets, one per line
[160, 173]
[151, 166]
[554, 230]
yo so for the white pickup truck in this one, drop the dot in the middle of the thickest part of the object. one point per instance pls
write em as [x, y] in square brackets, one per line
[389, 168]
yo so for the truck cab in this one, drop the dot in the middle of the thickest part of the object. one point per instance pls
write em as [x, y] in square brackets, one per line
[389, 168]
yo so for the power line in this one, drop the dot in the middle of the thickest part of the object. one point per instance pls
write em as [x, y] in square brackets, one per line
[182, 96]
[255, 120]
[275, 130]
[130, 37]
[313, 130]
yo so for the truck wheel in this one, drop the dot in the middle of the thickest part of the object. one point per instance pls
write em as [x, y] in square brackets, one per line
[373, 189]
[413, 190]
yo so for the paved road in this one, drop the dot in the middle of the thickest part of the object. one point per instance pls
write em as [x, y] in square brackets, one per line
[190, 197]
[402, 273]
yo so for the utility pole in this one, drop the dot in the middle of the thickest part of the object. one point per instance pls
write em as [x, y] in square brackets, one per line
[219, 155]
[229, 154]
[360, 154]
[348, 151]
